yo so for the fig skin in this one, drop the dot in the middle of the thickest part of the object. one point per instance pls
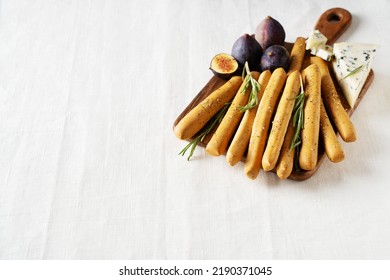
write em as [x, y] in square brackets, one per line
[246, 48]
[224, 65]
[270, 32]
[274, 57]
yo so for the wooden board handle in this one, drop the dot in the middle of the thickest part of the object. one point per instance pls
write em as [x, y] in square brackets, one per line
[333, 23]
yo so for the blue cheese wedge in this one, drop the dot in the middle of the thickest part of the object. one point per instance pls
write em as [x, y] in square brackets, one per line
[352, 64]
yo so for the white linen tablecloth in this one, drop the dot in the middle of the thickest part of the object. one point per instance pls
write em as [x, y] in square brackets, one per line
[89, 165]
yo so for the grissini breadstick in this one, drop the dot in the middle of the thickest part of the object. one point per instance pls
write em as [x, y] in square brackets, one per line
[286, 159]
[220, 139]
[190, 124]
[241, 139]
[262, 122]
[297, 54]
[333, 104]
[280, 121]
[333, 148]
[308, 155]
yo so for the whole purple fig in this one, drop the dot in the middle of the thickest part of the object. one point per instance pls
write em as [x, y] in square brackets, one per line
[274, 57]
[270, 32]
[246, 48]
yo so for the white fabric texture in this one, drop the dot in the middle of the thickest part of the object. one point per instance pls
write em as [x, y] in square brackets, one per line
[89, 164]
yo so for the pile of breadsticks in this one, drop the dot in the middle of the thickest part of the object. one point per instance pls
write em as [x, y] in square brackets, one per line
[262, 136]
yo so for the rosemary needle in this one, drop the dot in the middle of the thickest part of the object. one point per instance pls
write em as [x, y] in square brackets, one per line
[216, 119]
[354, 71]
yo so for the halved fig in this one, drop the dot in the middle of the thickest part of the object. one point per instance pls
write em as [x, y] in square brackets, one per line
[224, 65]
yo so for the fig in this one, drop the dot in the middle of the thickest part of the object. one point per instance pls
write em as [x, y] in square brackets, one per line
[224, 65]
[246, 48]
[270, 32]
[274, 57]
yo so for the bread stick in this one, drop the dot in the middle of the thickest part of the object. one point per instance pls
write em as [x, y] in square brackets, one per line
[333, 148]
[308, 155]
[333, 104]
[197, 118]
[297, 54]
[280, 122]
[262, 122]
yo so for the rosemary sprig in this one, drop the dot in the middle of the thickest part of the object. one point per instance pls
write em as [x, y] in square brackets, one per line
[216, 119]
[298, 118]
[354, 71]
[248, 80]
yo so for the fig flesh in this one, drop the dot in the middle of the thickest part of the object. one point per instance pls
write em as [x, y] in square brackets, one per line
[270, 32]
[274, 57]
[246, 48]
[224, 65]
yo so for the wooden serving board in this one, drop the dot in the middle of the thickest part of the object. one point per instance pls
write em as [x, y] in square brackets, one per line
[332, 24]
